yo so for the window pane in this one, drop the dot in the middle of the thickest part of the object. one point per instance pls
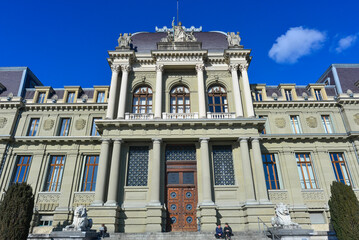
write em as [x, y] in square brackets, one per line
[180, 153]
[22, 169]
[223, 165]
[65, 125]
[173, 178]
[137, 166]
[270, 171]
[90, 173]
[188, 177]
[305, 171]
[340, 168]
[55, 173]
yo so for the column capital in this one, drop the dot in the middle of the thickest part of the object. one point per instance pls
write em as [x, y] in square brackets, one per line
[159, 67]
[233, 67]
[243, 66]
[125, 68]
[105, 140]
[117, 140]
[255, 139]
[157, 140]
[204, 139]
[243, 139]
[199, 67]
[115, 68]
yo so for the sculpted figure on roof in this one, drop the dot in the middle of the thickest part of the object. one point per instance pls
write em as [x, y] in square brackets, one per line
[124, 41]
[234, 40]
[179, 34]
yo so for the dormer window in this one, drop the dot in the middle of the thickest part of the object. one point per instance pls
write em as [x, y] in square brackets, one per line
[70, 97]
[288, 94]
[318, 94]
[41, 97]
[100, 97]
[258, 95]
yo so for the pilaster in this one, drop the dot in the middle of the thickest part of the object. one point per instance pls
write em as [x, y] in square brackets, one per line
[113, 92]
[201, 91]
[158, 99]
[246, 90]
[123, 91]
[236, 90]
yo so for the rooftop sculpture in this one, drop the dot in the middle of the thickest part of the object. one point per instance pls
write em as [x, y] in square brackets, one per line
[179, 34]
[234, 40]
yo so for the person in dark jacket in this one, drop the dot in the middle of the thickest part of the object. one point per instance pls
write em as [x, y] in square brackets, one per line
[219, 232]
[227, 231]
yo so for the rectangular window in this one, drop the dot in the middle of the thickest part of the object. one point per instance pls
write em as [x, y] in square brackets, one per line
[270, 171]
[33, 127]
[305, 170]
[294, 120]
[258, 95]
[90, 173]
[288, 94]
[318, 94]
[340, 168]
[55, 172]
[65, 126]
[94, 131]
[45, 220]
[137, 166]
[70, 97]
[41, 97]
[223, 165]
[22, 169]
[100, 97]
[327, 124]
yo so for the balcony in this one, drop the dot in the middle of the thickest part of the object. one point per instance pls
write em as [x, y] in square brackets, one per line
[220, 115]
[138, 116]
[179, 115]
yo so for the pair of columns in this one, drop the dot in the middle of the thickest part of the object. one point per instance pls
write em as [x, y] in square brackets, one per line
[201, 91]
[237, 91]
[110, 114]
[256, 189]
[101, 185]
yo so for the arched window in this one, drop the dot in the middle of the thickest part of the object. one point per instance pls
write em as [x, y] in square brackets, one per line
[217, 99]
[180, 100]
[142, 100]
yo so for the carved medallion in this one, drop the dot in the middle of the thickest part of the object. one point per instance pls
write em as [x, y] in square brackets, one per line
[356, 118]
[80, 124]
[312, 122]
[48, 124]
[280, 122]
[3, 121]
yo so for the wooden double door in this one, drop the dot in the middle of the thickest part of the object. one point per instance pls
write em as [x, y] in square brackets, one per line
[181, 196]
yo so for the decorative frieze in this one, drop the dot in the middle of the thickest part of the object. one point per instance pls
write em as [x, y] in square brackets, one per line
[278, 196]
[280, 122]
[48, 201]
[312, 122]
[83, 198]
[315, 199]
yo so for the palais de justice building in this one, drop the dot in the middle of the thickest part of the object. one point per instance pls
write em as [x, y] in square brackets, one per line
[180, 139]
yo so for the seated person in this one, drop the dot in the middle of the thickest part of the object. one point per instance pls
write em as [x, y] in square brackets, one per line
[227, 231]
[219, 232]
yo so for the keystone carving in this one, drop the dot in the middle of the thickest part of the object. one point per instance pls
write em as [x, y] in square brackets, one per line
[48, 124]
[312, 122]
[80, 124]
[3, 121]
[280, 122]
[356, 118]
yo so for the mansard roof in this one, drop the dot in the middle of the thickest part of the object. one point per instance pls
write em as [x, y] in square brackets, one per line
[145, 42]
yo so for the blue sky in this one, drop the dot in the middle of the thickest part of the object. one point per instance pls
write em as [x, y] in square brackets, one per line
[66, 42]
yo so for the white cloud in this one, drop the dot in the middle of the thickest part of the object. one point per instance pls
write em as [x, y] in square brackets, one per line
[296, 43]
[345, 43]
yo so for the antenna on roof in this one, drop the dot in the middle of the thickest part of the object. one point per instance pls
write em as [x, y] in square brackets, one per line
[177, 11]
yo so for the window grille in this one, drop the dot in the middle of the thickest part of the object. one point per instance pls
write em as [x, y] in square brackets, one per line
[137, 166]
[223, 165]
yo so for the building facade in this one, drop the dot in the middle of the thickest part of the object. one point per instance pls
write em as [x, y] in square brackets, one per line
[180, 140]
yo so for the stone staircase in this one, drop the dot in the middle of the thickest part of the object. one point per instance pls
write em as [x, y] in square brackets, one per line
[184, 236]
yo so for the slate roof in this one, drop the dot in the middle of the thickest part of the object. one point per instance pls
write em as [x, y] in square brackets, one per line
[145, 42]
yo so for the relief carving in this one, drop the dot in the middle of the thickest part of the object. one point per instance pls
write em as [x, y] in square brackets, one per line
[278, 196]
[80, 124]
[48, 124]
[313, 196]
[3, 121]
[356, 118]
[280, 122]
[83, 199]
[48, 198]
[312, 122]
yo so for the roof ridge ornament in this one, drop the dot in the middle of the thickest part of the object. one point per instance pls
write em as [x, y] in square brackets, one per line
[179, 34]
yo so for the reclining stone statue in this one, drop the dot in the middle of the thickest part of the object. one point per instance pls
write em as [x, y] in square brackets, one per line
[282, 218]
[80, 222]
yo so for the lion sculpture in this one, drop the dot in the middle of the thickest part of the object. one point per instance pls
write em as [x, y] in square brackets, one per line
[81, 222]
[282, 218]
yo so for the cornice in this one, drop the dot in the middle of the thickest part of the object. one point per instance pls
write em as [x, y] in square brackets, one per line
[291, 104]
[303, 137]
[57, 139]
[237, 53]
[65, 106]
[348, 100]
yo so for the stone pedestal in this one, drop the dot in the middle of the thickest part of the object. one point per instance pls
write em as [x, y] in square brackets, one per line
[108, 215]
[299, 234]
[154, 219]
[74, 235]
[208, 218]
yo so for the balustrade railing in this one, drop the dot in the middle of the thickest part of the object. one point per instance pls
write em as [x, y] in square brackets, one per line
[138, 116]
[211, 115]
[180, 115]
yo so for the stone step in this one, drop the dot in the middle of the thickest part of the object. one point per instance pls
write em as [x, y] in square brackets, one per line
[183, 236]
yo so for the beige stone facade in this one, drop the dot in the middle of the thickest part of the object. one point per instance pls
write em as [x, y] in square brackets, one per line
[285, 122]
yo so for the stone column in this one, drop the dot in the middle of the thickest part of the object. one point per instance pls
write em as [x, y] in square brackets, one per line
[201, 92]
[158, 101]
[246, 90]
[123, 92]
[206, 173]
[156, 173]
[262, 195]
[247, 171]
[114, 173]
[102, 173]
[236, 90]
[113, 92]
